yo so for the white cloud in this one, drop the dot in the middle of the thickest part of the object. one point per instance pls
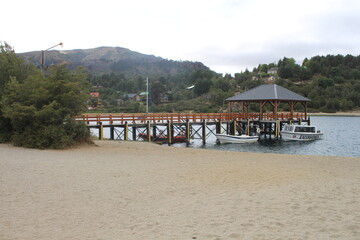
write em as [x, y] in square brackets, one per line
[226, 35]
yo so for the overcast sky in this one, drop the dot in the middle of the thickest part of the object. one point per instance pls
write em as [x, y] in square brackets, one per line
[228, 36]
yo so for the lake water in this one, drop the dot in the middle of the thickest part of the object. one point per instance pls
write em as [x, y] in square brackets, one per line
[341, 138]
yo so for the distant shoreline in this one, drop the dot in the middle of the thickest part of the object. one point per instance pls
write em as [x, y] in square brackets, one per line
[345, 114]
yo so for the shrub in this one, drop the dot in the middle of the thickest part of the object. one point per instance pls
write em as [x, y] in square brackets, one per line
[41, 110]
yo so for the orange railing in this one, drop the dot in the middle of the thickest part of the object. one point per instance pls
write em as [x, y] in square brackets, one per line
[181, 117]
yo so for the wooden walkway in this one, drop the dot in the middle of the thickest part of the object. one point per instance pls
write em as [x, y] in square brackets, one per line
[134, 118]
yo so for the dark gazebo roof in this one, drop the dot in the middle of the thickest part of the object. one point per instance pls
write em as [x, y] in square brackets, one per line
[268, 92]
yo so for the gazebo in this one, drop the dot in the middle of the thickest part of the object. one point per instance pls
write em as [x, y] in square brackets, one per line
[269, 93]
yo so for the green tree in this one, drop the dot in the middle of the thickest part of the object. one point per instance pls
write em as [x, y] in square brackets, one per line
[325, 82]
[288, 68]
[202, 86]
[11, 66]
[157, 92]
[223, 84]
[42, 110]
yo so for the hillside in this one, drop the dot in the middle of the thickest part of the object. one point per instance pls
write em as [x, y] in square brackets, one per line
[117, 60]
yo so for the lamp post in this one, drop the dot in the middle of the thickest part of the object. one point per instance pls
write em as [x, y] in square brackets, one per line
[147, 96]
[43, 55]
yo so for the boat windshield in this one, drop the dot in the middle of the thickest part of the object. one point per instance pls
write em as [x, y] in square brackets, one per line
[289, 128]
[305, 129]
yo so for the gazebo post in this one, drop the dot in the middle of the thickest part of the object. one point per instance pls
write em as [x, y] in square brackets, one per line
[262, 104]
[291, 104]
[305, 106]
[276, 105]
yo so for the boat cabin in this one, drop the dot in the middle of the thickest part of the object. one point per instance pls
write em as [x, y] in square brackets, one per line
[299, 128]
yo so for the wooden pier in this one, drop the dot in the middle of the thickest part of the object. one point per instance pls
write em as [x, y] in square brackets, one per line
[182, 127]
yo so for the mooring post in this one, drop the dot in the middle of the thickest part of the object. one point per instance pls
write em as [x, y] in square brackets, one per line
[169, 133]
[148, 131]
[204, 131]
[101, 131]
[187, 132]
[112, 132]
[126, 131]
[309, 121]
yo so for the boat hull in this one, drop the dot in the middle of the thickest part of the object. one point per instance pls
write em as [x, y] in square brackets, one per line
[224, 138]
[293, 136]
[162, 138]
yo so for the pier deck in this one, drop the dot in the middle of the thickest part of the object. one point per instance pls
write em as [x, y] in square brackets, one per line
[170, 127]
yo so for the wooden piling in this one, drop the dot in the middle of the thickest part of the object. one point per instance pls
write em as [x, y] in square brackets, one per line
[187, 132]
[101, 131]
[204, 131]
[218, 127]
[168, 127]
[112, 128]
[154, 133]
[126, 131]
[277, 129]
[234, 128]
[148, 131]
[248, 127]
[134, 132]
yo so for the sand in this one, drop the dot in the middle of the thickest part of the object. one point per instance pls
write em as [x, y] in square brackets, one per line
[137, 190]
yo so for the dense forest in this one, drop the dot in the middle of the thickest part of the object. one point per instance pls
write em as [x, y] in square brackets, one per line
[332, 83]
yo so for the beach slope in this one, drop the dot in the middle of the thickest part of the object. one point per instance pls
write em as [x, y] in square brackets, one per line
[136, 190]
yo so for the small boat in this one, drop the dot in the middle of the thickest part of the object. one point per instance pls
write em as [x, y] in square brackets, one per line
[163, 138]
[300, 133]
[225, 138]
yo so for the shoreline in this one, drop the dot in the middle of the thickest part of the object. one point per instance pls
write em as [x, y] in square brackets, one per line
[339, 114]
[139, 190]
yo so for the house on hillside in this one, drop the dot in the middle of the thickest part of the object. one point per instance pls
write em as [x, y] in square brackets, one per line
[94, 102]
[273, 70]
[95, 94]
[132, 97]
[143, 95]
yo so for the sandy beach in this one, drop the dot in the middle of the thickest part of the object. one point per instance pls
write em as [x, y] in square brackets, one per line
[137, 190]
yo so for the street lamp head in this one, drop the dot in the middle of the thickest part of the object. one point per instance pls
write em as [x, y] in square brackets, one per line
[61, 44]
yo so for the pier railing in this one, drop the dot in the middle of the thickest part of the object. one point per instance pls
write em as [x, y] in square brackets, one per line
[135, 118]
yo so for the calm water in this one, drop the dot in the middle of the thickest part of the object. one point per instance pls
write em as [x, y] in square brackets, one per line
[341, 138]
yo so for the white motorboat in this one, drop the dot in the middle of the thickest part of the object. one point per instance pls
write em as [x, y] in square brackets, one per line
[300, 133]
[225, 138]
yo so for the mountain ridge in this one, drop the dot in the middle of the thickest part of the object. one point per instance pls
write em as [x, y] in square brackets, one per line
[102, 60]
